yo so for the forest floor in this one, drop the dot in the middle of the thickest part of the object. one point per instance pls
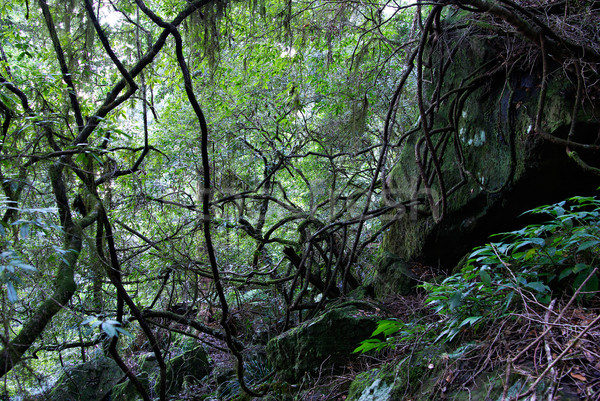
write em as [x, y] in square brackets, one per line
[557, 343]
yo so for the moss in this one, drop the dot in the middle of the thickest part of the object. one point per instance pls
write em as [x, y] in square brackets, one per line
[373, 382]
[328, 339]
[395, 381]
[190, 366]
[125, 392]
[399, 278]
[92, 380]
[489, 161]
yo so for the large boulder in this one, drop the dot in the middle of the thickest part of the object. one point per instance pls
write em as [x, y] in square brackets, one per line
[189, 366]
[325, 341]
[146, 372]
[493, 164]
[89, 381]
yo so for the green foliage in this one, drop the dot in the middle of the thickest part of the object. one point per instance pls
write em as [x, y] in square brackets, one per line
[564, 250]
[112, 328]
[15, 239]
[11, 262]
[473, 297]
[540, 259]
[392, 331]
[543, 260]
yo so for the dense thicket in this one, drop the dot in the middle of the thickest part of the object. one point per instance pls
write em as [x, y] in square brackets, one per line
[160, 159]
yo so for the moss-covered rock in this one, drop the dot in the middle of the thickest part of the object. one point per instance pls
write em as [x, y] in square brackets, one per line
[189, 366]
[429, 374]
[494, 166]
[325, 341]
[125, 392]
[146, 372]
[89, 381]
[393, 381]
[394, 275]
[372, 385]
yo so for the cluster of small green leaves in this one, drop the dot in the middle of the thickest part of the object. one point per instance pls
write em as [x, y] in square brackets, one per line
[558, 255]
[13, 238]
[543, 260]
[475, 296]
[564, 250]
[392, 331]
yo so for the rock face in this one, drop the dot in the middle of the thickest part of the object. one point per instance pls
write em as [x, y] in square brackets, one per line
[189, 366]
[493, 164]
[325, 341]
[93, 380]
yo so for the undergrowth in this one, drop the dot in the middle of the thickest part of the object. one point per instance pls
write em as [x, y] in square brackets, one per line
[526, 303]
[543, 261]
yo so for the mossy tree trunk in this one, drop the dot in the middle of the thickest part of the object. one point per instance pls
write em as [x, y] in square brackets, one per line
[64, 284]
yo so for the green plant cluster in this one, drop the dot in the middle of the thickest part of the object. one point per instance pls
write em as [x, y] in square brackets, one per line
[539, 261]
[16, 239]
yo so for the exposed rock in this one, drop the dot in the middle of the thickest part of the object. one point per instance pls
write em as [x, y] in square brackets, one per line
[146, 373]
[189, 366]
[494, 166]
[325, 341]
[394, 275]
[392, 381]
[425, 376]
[377, 390]
[89, 381]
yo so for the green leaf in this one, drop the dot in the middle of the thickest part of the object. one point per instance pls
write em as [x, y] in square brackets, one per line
[460, 351]
[485, 278]
[368, 345]
[123, 331]
[24, 231]
[508, 299]
[566, 272]
[470, 320]
[109, 329]
[11, 292]
[88, 320]
[538, 286]
[25, 266]
[455, 300]
[581, 266]
[587, 244]
[590, 286]
[387, 327]
[81, 158]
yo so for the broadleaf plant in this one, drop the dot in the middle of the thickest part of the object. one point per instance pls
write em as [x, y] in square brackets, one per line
[545, 260]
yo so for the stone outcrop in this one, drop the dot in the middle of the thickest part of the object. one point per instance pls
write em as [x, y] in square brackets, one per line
[494, 164]
[89, 381]
[325, 341]
[424, 377]
[188, 367]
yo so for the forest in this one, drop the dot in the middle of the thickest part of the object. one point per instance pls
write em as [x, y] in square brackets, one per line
[299, 200]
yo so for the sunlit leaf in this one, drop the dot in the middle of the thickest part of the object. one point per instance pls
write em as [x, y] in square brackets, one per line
[11, 292]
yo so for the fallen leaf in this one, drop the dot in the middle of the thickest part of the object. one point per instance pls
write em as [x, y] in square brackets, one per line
[578, 377]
